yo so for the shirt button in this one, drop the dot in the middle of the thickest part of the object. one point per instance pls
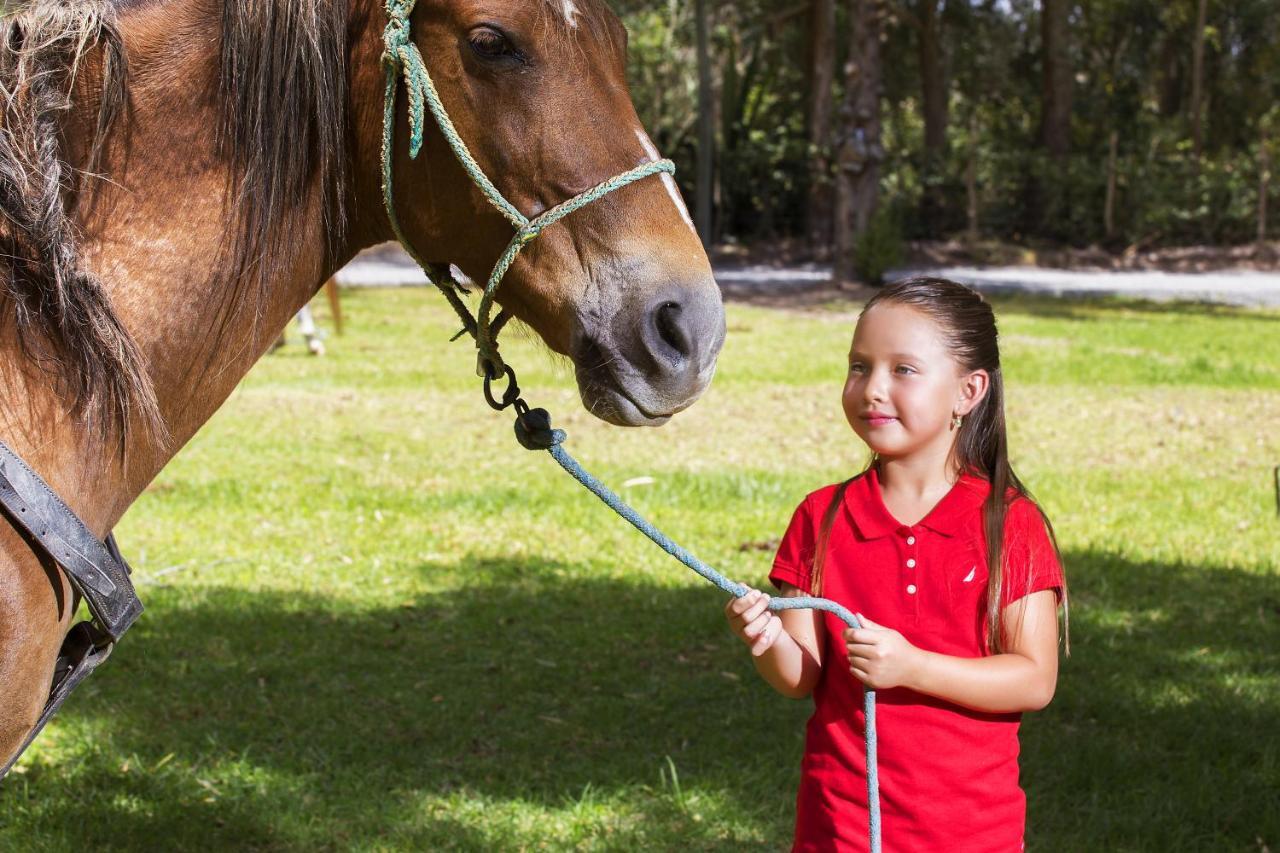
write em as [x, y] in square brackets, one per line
[911, 564]
[911, 540]
[911, 589]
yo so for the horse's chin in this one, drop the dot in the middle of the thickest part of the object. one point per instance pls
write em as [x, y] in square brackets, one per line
[613, 406]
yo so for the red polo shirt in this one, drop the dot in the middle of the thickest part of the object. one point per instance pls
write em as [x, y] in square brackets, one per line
[948, 775]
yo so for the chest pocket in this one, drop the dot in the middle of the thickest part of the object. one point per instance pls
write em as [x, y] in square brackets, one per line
[965, 573]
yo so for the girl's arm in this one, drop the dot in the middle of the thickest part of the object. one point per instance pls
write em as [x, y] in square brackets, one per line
[786, 648]
[1023, 678]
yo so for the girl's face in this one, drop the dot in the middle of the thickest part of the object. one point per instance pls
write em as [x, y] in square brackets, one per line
[904, 386]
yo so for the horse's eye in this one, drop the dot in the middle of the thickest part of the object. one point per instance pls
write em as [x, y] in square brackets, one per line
[491, 44]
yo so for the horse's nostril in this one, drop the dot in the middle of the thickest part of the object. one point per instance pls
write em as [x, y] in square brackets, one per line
[675, 341]
[667, 320]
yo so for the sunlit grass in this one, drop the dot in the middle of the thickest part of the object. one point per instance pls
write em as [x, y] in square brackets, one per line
[376, 623]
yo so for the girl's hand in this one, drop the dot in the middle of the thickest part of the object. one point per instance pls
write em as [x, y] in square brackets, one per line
[880, 657]
[751, 620]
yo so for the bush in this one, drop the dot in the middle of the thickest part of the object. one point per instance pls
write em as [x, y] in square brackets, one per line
[879, 248]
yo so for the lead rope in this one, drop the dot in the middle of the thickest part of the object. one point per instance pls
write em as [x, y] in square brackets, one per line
[533, 426]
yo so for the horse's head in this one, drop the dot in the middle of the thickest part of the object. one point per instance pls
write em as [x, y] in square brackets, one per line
[538, 92]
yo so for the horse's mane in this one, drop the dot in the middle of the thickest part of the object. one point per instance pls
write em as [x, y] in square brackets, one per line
[61, 313]
[283, 89]
[283, 86]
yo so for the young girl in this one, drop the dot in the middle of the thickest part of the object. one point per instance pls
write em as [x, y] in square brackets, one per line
[957, 650]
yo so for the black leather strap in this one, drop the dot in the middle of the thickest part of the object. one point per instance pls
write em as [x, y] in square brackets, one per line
[83, 651]
[97, 571]
[97, 574]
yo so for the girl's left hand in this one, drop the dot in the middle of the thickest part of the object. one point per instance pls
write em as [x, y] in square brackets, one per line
[879, 657]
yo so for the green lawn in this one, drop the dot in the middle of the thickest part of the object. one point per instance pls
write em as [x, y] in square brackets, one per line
[374, 622]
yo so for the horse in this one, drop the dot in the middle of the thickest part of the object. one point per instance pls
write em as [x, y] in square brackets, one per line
[175, 164]
[307, 323]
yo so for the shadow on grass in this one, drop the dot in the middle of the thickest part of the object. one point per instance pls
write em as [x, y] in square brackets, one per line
[295, 724]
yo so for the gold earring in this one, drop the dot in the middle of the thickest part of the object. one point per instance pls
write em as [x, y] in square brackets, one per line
[956, 420]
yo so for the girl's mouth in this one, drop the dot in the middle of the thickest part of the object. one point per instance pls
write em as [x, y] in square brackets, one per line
[879, 420]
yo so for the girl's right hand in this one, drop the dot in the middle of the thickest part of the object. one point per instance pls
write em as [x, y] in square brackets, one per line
[750, 618]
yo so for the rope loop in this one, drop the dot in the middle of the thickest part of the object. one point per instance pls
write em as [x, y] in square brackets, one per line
[509, 396]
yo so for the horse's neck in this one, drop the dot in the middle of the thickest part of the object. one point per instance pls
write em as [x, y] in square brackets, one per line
[153, 235]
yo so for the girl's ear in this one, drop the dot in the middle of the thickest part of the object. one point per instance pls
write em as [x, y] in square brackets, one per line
[973, 388]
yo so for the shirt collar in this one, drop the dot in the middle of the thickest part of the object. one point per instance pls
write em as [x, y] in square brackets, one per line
[873, 519]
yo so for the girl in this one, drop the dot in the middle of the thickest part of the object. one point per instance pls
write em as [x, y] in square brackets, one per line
[956, 649]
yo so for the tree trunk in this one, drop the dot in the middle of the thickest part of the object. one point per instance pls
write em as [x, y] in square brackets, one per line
[822, 71]
[859, 153]
[1169, 80]
[933, 83]
[1264, 187]
[1055, 47]
[971, 181]
[1197, 80]
[706, 128]
[1109, 207]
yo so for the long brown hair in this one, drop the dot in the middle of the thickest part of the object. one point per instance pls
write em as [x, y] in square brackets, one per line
[968, 327]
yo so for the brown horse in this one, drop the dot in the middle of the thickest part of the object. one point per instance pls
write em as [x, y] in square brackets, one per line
[186, 164]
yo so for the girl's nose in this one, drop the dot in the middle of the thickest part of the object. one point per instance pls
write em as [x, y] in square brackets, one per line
[875, 387]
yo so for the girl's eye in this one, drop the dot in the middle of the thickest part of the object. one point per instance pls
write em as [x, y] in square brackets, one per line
[902, 368]
[493, 45]
[855, 367]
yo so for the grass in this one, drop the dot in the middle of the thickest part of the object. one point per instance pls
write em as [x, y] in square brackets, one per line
[375, 623]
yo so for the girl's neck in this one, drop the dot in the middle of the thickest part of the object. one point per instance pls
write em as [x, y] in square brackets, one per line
[917, 476]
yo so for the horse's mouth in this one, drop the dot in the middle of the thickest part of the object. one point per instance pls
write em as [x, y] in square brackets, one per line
[619, 394]
[615, 407]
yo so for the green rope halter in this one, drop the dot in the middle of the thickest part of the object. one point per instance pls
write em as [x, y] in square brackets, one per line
[403, 59]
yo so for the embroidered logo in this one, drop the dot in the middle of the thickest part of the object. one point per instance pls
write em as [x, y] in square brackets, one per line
[969, 576]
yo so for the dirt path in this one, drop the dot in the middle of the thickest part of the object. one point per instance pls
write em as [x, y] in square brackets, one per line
[798, 285]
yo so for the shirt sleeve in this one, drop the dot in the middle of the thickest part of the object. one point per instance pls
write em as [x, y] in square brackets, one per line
[794, 559]
[1031, 561]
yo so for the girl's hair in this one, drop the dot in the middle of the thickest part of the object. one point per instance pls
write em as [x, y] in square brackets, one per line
[968, 327]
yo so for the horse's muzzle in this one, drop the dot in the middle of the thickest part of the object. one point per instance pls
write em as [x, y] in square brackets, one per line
[652, 358]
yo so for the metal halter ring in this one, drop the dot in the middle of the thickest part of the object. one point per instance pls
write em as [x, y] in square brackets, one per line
[509, 396]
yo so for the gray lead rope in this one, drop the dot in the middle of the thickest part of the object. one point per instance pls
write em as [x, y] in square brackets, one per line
[534, 432]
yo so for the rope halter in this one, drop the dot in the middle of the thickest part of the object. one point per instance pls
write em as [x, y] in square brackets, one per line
[402, 59]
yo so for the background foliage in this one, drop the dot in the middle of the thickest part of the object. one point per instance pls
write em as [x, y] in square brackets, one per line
[1132, 66]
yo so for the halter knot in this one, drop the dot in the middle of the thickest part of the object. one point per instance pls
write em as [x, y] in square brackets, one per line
[396, 34]
[534, 431]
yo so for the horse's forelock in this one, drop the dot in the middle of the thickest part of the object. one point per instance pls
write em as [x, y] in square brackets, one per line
[575, 17]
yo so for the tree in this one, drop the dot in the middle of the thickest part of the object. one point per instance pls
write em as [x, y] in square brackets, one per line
[859, 152]
[1055, 49]
[1197, 79]
[925, 20]
[822, 72]
[706, 127]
